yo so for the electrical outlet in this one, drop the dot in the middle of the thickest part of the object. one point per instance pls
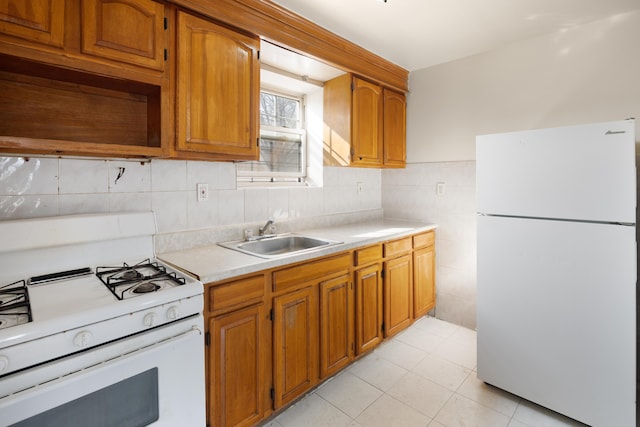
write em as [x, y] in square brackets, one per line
[203, 192]
[360, 187]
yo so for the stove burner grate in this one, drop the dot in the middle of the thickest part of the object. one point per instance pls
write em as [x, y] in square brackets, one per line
[145, 287]
[14, 304]
[141, 278]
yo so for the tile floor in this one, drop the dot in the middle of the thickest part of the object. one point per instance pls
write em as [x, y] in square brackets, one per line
[425, 376]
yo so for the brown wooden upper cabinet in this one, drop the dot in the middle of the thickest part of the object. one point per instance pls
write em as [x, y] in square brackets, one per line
[100, 62]
[218, 89]
[40, 21]
[130, 31]
[395, 128]
[364, 124]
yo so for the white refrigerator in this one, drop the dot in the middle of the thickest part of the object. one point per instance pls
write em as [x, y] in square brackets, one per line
[556, 254]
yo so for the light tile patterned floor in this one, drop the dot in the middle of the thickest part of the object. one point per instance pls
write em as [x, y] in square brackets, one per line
[425, 376]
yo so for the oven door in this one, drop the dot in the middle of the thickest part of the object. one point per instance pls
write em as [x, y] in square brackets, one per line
[155, 378]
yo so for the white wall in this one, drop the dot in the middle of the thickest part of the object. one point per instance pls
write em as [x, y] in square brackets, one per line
[587, 74]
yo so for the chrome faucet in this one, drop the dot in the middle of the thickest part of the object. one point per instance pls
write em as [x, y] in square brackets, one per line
[262, 230]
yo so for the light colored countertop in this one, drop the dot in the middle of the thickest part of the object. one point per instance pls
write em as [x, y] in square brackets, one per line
[215, 263]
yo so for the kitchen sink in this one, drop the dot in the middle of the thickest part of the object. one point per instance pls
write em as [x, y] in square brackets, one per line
[280, 245]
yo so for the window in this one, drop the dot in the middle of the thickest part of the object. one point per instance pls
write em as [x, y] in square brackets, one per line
[282, 141]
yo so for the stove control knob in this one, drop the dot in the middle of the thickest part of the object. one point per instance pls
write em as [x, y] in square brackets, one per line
[82, 339]
[173, 313]
[149, 319]
[4, 363]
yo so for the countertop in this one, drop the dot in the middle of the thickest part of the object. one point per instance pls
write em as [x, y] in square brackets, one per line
[215, 263]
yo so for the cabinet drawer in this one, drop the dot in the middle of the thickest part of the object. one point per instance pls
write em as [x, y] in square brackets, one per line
[301, 273]
[424, 239]
[397, 247]
[367, 255]
[239, 293]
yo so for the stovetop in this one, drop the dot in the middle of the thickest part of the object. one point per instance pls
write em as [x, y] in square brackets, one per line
[54, 263]
[130, 281]
[61, 305]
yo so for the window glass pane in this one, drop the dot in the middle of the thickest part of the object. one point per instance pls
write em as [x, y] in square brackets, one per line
[279, 153]
[287, 112]
[267, 109]
[281, 156]
[276, 110]
[282, 141]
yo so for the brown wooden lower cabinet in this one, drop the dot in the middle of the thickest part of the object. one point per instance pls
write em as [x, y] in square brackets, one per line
[336, 325]
[368, 290]
[398, 305]
[276, 334]
[295, 344]
[424, 289]
[237, 383]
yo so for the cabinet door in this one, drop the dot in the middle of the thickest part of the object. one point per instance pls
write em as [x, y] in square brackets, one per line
[398, 304]
[218, 90]
[368, 308]
[130, 31]
[40, 21]
[336, 325]
[367, 123]
[395, 110]
[424, 289]
[237, 363]
[295, 344]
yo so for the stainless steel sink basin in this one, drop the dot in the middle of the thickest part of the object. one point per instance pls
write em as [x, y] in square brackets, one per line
[279, 246]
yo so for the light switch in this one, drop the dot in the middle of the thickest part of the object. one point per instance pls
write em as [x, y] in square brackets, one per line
[440, 189]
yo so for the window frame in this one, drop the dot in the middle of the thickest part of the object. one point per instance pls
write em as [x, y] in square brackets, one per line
[245, 177]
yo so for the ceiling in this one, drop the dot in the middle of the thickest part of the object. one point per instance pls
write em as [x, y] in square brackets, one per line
[417, 34]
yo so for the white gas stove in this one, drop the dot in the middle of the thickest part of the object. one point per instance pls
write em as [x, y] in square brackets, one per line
[85, 306]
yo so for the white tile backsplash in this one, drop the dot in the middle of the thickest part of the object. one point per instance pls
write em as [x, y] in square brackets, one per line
[278, 203]
[410, 193]
[201, 214]
[130, 202]
[69, 204]
[256, 205]
[49, 186]
[299, 202]
[169, 175]
[171, 210]
[230, 207]
[32, 176]
[129, 177]
[315, 202]
[13, 207]
[219, 176]
[83, 176]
